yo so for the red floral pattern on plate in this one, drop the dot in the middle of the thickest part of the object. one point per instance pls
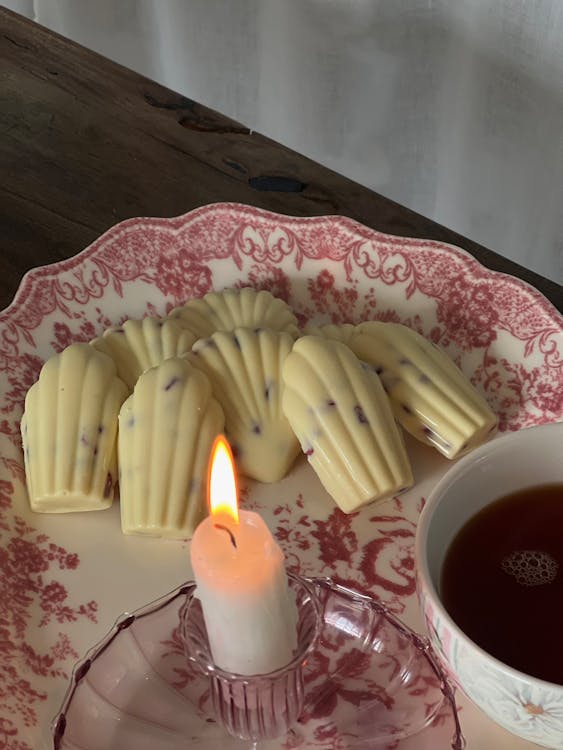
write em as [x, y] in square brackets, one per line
[503, 333]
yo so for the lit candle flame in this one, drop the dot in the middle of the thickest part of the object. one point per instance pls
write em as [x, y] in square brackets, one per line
[222, 485]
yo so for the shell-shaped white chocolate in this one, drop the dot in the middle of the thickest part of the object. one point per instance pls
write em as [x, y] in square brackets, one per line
[234, 308]
[138, 345]
[166, 431]
[342, 417]
[244, 367]
[431, 397]
[69, 432]
[342, 333]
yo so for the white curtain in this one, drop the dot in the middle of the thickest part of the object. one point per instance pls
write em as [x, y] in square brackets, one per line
[451, 107]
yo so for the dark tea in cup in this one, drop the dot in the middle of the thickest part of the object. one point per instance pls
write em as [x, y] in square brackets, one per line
[502, 580]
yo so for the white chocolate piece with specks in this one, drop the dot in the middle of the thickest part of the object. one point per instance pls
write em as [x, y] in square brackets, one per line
[166, 431]
[244, 367]
[69, 431]
[343, 419]
[138, 345]
[431, 397]
[236, 308]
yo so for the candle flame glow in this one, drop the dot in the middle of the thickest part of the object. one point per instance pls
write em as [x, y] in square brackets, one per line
[222, 485]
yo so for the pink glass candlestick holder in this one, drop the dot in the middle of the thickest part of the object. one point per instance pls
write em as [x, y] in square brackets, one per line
[256, 707]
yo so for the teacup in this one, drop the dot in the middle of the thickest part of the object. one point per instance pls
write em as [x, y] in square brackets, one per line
[527, 706]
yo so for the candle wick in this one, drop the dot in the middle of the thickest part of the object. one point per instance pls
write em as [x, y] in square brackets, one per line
[229, 532]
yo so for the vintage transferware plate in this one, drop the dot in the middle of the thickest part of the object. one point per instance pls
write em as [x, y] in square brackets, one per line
[65, 579]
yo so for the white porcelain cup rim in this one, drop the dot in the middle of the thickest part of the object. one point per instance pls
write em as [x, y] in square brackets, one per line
[458, 470]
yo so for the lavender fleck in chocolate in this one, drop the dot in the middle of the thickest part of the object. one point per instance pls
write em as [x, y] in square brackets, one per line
[171, 383]
[256, 429]
[309, 451]
[360, 416]
[108, 485]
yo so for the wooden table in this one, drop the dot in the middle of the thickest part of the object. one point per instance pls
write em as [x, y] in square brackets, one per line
[86, 143]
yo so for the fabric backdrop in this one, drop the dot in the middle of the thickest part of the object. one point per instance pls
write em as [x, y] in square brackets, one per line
[451, 107]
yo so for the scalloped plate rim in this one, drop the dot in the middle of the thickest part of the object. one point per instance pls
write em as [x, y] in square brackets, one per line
[176, 222]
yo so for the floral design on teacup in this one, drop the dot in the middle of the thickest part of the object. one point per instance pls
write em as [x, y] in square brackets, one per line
[531, 709]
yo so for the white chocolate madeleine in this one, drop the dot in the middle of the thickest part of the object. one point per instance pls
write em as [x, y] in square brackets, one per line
[138, 345]
[342, 417]
[69, 431]
[166, 431]
[343, 332]
[431, 397]
[234, 308]
[244, 367]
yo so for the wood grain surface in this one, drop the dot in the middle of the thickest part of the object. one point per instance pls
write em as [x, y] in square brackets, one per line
[86, 143]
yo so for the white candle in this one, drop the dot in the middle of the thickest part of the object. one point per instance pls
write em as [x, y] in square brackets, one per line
[249, 612]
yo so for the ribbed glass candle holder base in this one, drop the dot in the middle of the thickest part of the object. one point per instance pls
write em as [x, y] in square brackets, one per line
[256, 707]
